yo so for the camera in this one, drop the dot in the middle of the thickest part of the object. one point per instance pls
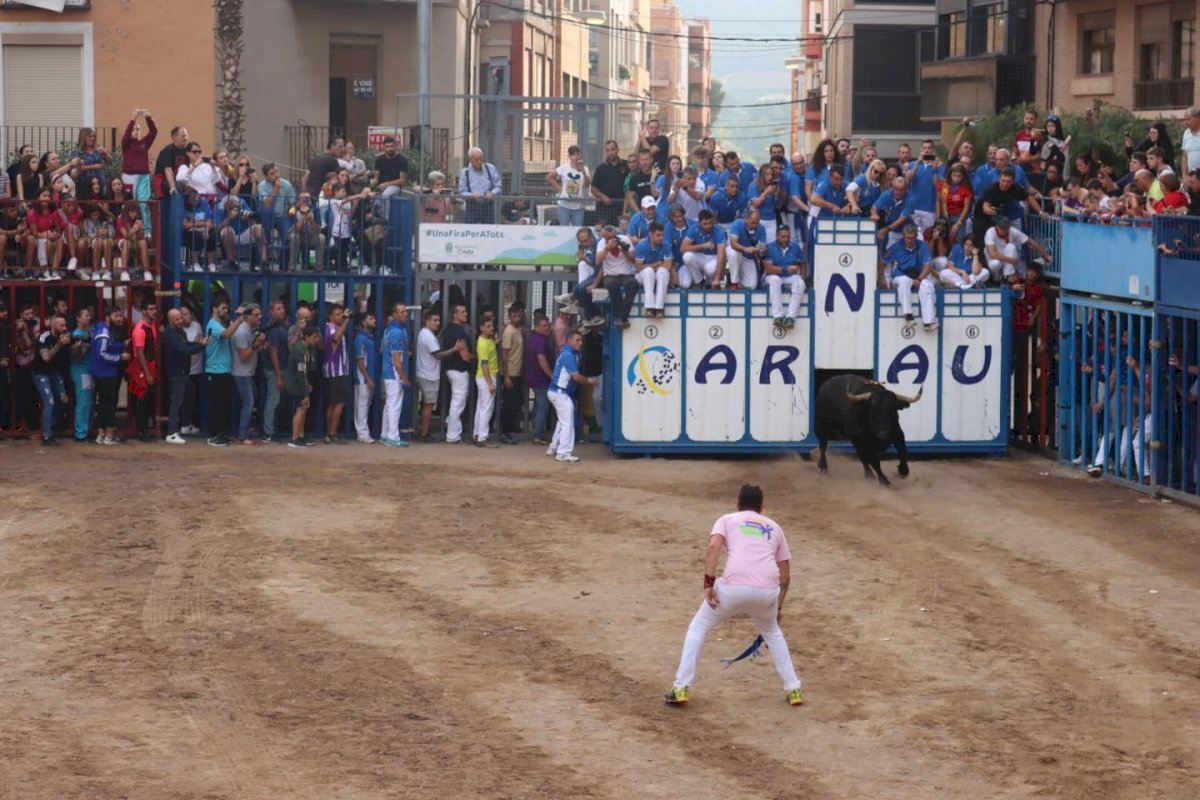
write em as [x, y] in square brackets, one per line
[929, 157]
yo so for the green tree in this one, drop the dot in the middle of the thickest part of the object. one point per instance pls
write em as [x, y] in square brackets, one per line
[716, 98]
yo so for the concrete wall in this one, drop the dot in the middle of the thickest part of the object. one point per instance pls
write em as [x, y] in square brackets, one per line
[285, 67]
[142, 55]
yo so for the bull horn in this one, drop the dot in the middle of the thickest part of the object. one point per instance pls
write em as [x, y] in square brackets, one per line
[858, 398]
[910, 400]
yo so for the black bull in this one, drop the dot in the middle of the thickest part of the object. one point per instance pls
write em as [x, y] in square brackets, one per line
[868, 415]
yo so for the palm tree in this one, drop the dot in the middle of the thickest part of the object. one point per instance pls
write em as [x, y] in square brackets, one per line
[231, 115]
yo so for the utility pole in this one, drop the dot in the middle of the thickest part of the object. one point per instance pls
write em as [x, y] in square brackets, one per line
[424, 65]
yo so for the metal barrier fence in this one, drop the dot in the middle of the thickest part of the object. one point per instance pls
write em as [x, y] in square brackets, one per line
[1035, 377]
[1106, 384]
[1046, 231]
[60, 138]
[452, 206]
[1176, 413]
[363, 235]
[20, 413]
[95, 240]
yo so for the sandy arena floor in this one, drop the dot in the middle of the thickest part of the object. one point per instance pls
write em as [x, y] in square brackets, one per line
[444, 623]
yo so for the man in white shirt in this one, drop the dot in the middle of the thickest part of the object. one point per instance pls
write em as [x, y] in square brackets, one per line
[1002, 248]
[429, 370]
[571, 180]
[690, 193]
[1190, 152]
[617, 271]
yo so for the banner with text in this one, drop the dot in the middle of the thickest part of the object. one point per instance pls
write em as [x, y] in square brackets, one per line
[444, 243]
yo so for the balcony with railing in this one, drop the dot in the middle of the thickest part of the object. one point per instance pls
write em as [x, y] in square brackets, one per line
[1169, 93]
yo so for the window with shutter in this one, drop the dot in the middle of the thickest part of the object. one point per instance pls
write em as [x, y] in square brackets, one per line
[43, 84]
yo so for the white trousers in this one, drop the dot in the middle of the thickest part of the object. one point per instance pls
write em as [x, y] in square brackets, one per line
[654, 283]
[1138, 438]
[459, 383]
[586, 271]
[951, 278]
[923, 220]
[564, 430]
[393, 398]
[1003, 267]
[775, 284]
[761, 605]
[768, 228]
[925, 292]
[485, 403]
[697, 267]
[742, 269]
[362, 409]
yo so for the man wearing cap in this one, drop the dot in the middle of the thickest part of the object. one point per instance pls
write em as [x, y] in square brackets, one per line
[639, 224]
[1002, 248]
[615, 257]
[909, 260]
[703, 249]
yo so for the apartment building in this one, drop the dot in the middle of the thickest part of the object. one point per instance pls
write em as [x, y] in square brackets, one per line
[668, 71]
[620, 55]
[699, 81]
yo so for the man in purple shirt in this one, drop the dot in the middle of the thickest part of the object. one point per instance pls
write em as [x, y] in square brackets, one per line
[337, 371]
[539, 364]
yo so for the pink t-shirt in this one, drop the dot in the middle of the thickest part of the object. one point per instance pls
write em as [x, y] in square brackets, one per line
[753, 545]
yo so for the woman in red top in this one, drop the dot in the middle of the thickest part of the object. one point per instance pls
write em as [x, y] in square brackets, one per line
[135, 153]
[955, 199]
[131, 235]
[45, 237]
[70, 223]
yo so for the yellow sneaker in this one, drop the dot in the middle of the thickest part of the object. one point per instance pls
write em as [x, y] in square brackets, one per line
[679, 695]
[795, 697]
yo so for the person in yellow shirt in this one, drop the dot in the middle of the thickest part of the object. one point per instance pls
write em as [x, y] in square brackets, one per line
[487, 370]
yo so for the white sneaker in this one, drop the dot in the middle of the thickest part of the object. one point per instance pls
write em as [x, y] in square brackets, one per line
[124, 274]
[197, 268]
[212, 267]
[55, 275]
[175, 438]
[189, 430]
[103, 265]
[146, 276]
[572, 309]
[567, 459]
[45, 276]
[106, 275]
[85, 275]
[563, 299]
[549, 451]
[72, 264]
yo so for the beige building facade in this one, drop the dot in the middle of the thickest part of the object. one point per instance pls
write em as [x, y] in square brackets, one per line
[668, 72]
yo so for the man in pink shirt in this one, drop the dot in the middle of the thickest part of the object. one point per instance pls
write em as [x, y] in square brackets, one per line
[755, 581]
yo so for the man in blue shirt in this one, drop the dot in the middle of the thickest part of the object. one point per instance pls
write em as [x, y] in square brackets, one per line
[729, 203]
[746, 246]
[673, 234]
[892, 212]
[704, 173]
[218, 366]
[703, 251]
[364, 374]
[745, 173]
[654, 259]
[393, 360]
[962, 270]
[909, 260]
[784, 266]
[562, 393]
[989, 175]
[639, 225]
[830, 195]
[922, 176]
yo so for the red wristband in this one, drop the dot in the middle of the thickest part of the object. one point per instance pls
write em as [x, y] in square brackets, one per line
[709, 581]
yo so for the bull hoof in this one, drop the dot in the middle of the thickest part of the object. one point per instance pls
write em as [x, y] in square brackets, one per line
[823, 468]
[903, 471]
[884, 481]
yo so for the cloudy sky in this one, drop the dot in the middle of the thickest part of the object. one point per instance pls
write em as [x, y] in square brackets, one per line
[751, 72]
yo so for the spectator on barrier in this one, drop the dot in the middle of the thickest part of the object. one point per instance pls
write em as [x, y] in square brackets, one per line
[1028, 139]
[429, 370]
[486, 371]
[218, 366]
[653, 142]
[178, 353]
[769, 196]
[1049, 180]
[480, 182]
[100, 229]
[187, 413]
[617, 273]
[1002, 198]
[87, 157]
[28, 182]
[108, 355]
[639, 225]
[745, 249]
[608, 184]
[136, 142]
[143, 372]
[13, 232]
[15, 166]
[239, 231]
[703, 251]
[746, 172]
[1173, 200]
[579, 299]
[74, 242]
[199, 237]
[391, 171]
[729, 203]
[654, 261]
[831, 197]
[170, 159]
[665, 180]
[456, 337]
[689, 192]
[573, 182]
[1156, 136]
[336, 371]
[276, 196]
[51, 360]
[355, 167]
[1002, 248]
[200, 173]
[676, 227]
[246, 343]
[306, 234]
[954, 201]
[394, 358]
[704, 172]
[321, 164]
[922, 176]
[45, 238]
[909, 260]
[56, 174]
[81, 372]
[784, 265]
[561, 391]
[892, 212]
[131, 238]
[963, 268]
[511, 366]
[867, 187]
[436, 202]
[539, 367]
[364, 374]
[824, 156]
[297, 383]
[640, 182]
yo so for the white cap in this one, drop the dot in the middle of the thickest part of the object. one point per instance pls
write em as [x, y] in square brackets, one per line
[649, 202]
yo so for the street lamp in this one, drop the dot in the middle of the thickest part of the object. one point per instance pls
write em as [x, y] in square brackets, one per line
[592, 17]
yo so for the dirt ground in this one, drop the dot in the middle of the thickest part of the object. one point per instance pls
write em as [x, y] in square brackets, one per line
[361, 622]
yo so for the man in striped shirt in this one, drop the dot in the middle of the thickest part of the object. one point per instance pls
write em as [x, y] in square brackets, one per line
[336, 370]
